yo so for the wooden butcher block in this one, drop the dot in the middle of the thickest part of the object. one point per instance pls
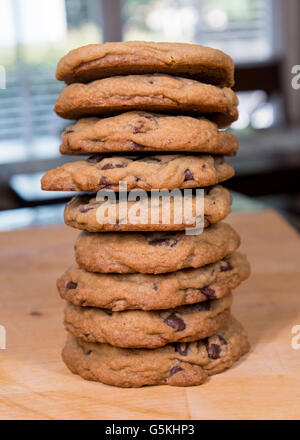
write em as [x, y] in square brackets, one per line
[35, 384]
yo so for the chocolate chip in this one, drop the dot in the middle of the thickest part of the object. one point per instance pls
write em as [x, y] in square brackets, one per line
[108, 312]
[226, 268]
[208, 292]
[203, 306]
[69, 131]
[175, 322]
[181, 348]
[86, 208]
[213, 350]
[188, 175]
[95, 158]
[103, 183]
[155, 287]
[136, 146]
[87, 352]
[222, 340]
[175, 369]
[110, 166]
[35, 313]
[163, 242]
[71, 285]
[140, 125]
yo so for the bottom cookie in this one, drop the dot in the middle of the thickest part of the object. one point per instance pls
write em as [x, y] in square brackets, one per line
[177, 364]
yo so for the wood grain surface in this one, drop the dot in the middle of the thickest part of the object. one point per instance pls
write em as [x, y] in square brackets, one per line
[35, 384]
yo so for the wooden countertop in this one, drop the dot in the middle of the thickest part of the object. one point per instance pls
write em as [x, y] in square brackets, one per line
[35, 384]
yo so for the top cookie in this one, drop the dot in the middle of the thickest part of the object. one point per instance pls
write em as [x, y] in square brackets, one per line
[161, 93]
[95, 61]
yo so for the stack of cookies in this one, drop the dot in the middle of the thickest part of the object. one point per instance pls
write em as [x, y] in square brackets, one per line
[147, 302]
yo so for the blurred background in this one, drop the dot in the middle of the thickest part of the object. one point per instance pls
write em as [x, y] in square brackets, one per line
[262, 36]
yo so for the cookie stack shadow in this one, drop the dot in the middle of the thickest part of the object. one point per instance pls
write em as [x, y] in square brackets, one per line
[148, 304]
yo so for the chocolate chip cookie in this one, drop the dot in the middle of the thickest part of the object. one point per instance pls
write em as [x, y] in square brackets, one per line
[158, 93]
[154, 252]
[82, 212]
[138, 131]
[150, 172]
[96, 61]
[153, 292]
[178, 364]
[151, 329]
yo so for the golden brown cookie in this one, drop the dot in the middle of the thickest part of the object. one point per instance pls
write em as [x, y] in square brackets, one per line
[95, 61]
[138, 131]
[154, 252]
[158, 93]
[178, 364]
[82, 212]
[153, 292]
[151, 329]
[148, 172]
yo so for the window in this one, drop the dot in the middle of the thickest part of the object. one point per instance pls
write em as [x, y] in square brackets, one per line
[242, 28]
[33, 36]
